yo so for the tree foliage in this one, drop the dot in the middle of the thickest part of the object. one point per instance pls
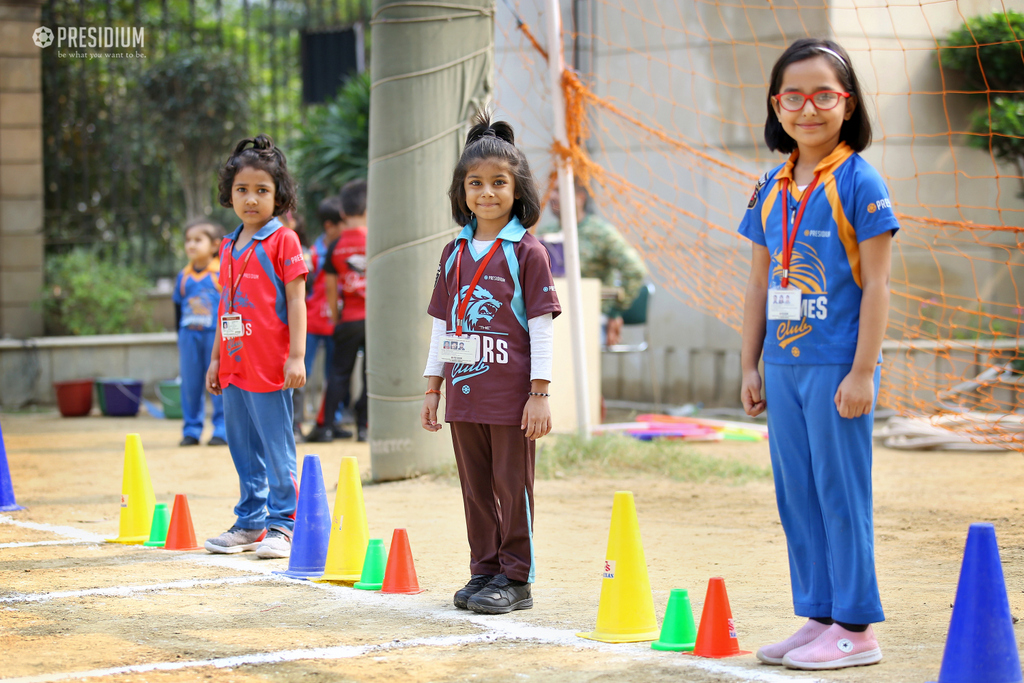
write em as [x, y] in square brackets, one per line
[199, 106]
[333, 146]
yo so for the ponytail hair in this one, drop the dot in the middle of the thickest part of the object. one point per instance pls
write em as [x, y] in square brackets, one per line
[496, 141]
[259, 153]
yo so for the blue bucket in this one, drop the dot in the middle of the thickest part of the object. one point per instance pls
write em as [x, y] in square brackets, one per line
[120, 397]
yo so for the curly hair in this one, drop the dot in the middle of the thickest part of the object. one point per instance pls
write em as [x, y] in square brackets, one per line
[487, 140]
[263, 155]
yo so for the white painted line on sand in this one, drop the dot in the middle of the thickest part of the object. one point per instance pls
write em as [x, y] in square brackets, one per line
[66, 531]
[32, 544]
[125, 591]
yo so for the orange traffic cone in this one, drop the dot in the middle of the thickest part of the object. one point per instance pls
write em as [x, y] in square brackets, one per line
[400, 574]
[716, 636]
[180, 533]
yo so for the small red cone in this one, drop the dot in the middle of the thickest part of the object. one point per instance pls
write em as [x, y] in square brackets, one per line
[180, 533]
[716, 636]
[400, 574]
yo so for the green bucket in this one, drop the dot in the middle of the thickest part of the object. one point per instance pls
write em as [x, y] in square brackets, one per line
[169, 393]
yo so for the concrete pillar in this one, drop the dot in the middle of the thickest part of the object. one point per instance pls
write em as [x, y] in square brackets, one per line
[21, 170]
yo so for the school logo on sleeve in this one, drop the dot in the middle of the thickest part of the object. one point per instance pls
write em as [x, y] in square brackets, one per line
[757, 191]
[879, 204]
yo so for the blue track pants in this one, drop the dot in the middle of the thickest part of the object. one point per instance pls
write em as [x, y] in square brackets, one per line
[822, 468]
[194, 347]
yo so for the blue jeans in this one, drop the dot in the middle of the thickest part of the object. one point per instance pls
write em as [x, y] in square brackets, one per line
[194, 347]
[259, 427]
[313, 342]
[822, 468]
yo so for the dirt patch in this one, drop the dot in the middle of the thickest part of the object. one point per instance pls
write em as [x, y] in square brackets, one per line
[67, 472]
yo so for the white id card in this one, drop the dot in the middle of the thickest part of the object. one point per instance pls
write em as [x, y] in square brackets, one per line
[455, 349]
[231, 326]
[784, 303]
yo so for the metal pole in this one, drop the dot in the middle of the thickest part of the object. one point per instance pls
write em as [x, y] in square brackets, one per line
[567, 199]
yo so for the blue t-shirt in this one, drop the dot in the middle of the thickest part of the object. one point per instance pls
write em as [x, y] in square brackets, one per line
[199, 295]
[849, 204]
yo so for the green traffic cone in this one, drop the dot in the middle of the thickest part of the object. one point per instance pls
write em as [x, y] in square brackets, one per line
[374, 563]
[158, 529]
[678, 633]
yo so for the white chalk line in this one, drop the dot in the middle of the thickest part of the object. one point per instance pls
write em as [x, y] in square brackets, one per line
[125, 591]
[498, 627]
[33, 544]
[66, 531]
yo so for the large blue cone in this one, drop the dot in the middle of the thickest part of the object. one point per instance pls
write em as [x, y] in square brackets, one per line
[312, 524]
[981, 645]
[7, 502]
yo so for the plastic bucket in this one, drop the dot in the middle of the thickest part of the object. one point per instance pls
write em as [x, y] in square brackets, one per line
[74, 397]
[169, 393]
[119, 397]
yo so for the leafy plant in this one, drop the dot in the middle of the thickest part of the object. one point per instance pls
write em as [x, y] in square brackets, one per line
[987, 50]
[199, 103]
[87, 295]
[333, 146]
[1000, 129]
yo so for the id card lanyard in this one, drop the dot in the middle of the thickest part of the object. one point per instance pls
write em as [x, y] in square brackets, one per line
[461, 305]
[232, 280]
[788, 241]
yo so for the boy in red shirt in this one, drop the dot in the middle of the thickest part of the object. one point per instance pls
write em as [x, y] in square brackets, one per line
[345, 270]
[258, 356]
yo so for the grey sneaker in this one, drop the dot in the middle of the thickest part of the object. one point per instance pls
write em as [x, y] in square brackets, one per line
[278, 543]
[236, 540]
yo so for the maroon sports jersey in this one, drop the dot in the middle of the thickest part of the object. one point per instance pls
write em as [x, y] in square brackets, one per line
[515, 287]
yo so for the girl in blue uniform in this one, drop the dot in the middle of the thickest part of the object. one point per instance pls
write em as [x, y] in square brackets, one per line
[816, 306]
[196, 297]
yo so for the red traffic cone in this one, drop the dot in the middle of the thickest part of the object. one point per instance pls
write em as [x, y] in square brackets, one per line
[180, 533]
[716, 636]
[400, 574]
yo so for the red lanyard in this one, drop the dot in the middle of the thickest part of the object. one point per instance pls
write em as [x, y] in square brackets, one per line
[787, 240]
[460, 306]
[231, 272]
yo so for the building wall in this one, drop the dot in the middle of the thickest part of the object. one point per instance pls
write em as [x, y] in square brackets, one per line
[21, 171]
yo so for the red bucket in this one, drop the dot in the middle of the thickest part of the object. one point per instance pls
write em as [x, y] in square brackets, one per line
[74, 398]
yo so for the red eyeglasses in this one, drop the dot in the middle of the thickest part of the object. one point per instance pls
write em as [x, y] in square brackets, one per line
[822, 100]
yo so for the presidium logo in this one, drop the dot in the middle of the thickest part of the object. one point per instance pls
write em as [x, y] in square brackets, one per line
[42, 37]
[91, 36]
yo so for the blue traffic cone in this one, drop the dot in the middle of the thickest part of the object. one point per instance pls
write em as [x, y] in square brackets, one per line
[981, 645]
[312, 524]
[7, 502]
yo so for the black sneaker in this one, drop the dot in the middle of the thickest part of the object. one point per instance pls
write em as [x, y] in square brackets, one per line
[500, 596]
[476, 583]
[189, 441]
[340, 433]
[320, 435]
[216, 441]
[361, 434]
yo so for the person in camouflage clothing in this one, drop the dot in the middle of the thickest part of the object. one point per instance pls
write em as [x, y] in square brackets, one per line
[606, 255]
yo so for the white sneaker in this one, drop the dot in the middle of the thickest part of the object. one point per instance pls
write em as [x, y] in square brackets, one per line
[235, 540]
[836, 648]
[278, 543]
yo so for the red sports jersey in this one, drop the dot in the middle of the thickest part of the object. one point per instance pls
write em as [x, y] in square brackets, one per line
[255, 361]
[515, 287]
[318, 318]
[348, 261]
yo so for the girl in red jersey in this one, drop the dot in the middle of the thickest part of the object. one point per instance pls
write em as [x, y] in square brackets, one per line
[493, 303]
[259, 354]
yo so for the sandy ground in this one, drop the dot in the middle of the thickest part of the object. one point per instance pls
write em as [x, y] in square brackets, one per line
[73, 608]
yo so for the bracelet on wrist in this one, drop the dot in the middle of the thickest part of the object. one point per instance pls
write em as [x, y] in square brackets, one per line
[539, 393]
[432, 391]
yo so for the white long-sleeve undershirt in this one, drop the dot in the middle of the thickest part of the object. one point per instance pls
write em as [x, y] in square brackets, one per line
[541, 347]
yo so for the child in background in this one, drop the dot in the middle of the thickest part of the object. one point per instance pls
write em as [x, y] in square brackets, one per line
[495, 298]
[196, 297]
[259, 357]
[345, 273]
[319, 322]
[816, 304]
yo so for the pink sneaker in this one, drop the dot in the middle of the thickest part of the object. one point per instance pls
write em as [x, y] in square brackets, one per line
[836, 648]
[773, 654]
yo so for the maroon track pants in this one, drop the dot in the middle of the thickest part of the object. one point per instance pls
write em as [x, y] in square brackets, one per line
[496, 464]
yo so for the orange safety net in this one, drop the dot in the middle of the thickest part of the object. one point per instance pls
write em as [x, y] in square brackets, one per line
[665, 109]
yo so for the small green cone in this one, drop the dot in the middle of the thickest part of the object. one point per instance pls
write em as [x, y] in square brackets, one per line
[678, 633]
[374, 563]
[158, 529]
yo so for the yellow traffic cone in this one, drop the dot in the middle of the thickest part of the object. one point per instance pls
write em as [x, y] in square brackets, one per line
[349, 532]
[137, 499]
[626, 611]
